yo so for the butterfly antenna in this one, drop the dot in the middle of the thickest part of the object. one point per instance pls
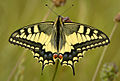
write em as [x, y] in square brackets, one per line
[67, 9]
[51, 9]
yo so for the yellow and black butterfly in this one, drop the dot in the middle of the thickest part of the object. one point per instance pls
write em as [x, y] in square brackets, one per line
[61, 40]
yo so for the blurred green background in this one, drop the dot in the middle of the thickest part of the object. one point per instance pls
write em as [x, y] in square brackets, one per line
[15, 14]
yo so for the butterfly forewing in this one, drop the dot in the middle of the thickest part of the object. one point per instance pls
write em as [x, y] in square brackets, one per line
[37, 38]
[82, 35]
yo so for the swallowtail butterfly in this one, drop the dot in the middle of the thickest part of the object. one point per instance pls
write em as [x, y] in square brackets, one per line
[61, 40]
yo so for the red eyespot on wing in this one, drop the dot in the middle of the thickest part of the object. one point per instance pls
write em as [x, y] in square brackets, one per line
[55, 56]
[60, 56]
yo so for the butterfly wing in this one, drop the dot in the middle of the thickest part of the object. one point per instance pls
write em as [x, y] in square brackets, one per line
[40, 38]
[80, 38]
[36, 37]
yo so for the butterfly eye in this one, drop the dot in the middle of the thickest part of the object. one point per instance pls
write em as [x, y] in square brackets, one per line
[60, 56]
[55, 56]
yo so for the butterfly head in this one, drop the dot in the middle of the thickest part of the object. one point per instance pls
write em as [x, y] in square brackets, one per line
[64, 19]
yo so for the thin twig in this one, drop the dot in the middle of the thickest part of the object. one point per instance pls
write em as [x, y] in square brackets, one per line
[20, 70]
[103, 53]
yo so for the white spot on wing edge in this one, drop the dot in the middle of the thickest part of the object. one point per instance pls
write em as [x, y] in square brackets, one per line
[11, 39]
[106, 40]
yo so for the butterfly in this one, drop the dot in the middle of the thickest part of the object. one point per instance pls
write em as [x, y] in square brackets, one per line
[61, 40]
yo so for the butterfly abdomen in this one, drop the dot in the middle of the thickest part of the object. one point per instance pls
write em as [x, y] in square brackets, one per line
[58, 34]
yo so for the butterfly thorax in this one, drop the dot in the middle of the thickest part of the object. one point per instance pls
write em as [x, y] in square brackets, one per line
[58, 34]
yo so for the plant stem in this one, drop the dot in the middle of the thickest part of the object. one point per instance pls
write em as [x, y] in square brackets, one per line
[15, 67]
[103, 53]
[56, 68]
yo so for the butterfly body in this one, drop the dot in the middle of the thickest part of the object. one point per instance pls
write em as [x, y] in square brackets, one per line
[63, 40]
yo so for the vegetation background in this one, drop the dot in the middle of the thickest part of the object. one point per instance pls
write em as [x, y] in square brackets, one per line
[19, 65]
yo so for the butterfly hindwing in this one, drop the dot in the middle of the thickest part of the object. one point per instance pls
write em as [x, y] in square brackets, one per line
[34, 37]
